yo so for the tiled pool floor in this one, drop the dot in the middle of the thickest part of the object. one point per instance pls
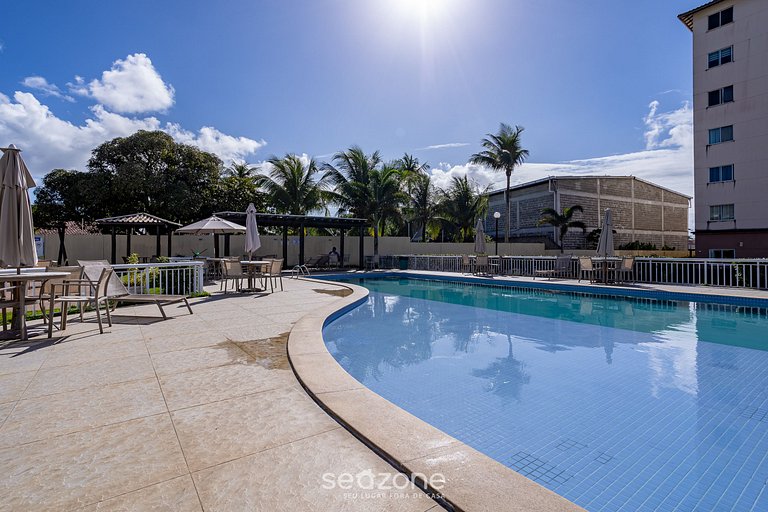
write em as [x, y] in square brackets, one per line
[619, 413]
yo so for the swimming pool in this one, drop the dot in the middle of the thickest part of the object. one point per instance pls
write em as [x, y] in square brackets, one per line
[613, 403]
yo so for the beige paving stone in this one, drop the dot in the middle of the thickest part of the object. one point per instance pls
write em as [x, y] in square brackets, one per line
[5, 411]
[322, 374]
[290, 478]
[168, 363]
[48, 416]
[83, 353]
[12, 385]
[86, 467]
[220, 383]
[383, 422]
[177, 495]
[22, 359]
[182, 341]
[100, 373]
[221, 431]
[258, 329]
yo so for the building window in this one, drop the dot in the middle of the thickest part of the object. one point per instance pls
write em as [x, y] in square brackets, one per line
[720, 212]
[719, 57]
[722, 134]
[721, 173]
[720, 96]
[721, 18]
[722, 253]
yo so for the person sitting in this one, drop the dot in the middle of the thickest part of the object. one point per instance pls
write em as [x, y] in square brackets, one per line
[334, 257]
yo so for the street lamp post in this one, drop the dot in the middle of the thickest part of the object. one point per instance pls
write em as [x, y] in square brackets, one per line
[496, 216]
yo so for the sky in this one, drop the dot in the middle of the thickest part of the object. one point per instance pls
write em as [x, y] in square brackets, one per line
[600, 86]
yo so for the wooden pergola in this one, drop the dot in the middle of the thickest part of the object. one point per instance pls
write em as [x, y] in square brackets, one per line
[300, 222]
[128, 223]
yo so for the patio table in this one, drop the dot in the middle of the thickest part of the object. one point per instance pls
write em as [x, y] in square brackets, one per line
[22, 280]
[604, 265]
[252, 265]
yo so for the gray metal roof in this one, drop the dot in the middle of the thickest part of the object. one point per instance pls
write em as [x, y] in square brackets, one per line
[571, 177]
[276, 219]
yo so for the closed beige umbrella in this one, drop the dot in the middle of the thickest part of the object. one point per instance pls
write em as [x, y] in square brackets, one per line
[17, 234]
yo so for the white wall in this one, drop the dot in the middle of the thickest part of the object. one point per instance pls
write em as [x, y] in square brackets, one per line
[87, 247]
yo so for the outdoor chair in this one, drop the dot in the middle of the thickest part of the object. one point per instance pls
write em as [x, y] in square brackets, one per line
[89, 293]
[587, 269]
[274, 273]
[562, 268]
[624, 273]
[372, 262]
[466, 264]
[47, 291]
[232, 271]
[7, 300]
[481, 264]
[119, 293]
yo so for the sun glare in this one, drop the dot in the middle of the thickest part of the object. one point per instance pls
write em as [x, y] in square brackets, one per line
[423, 9]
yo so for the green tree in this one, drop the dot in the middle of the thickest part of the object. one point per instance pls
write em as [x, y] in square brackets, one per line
[461, 205]
[150, 172]
[422, 205]
[503, 152]
[563, 221]
[238, 187]
[61, 198]
[366, 189]
[294, 187]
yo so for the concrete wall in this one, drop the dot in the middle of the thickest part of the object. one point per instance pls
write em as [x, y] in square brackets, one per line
[641, 211]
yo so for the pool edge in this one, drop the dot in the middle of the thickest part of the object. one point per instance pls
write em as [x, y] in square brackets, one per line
[474, 481]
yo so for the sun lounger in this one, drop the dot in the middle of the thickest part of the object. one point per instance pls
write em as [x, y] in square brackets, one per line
[117, 292]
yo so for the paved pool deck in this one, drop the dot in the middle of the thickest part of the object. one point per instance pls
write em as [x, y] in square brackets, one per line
[205, 412]
[199, 412]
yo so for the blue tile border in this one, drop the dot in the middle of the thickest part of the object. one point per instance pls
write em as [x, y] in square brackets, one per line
[549, 286]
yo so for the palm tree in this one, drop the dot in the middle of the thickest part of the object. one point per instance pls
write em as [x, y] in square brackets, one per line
[422, 204]
[462, 204]
[366, 189]
[350, 176]
[503, 152]
[240, 170]
[411, 165]
[562, 221]
[292, 186]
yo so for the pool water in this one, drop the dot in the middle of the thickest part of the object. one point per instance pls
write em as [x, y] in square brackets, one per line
[615, 404]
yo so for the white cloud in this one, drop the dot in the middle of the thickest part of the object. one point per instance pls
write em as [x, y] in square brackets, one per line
[210, 139]
[50, 142]
[132, 86]
[42, 85]
[448, 145]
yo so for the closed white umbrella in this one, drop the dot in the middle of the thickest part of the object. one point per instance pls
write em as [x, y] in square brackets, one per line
[17, 234]
[479, 237]
[252, 239]
[605, 245]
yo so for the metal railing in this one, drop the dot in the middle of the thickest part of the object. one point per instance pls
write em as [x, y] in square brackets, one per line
[752, 273]
[173, 278]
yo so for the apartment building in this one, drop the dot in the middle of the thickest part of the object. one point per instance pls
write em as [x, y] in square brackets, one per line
[641, 211]
[730, 118]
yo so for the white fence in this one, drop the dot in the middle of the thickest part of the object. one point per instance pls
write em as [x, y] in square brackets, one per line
[676, 271]
[174, 278]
